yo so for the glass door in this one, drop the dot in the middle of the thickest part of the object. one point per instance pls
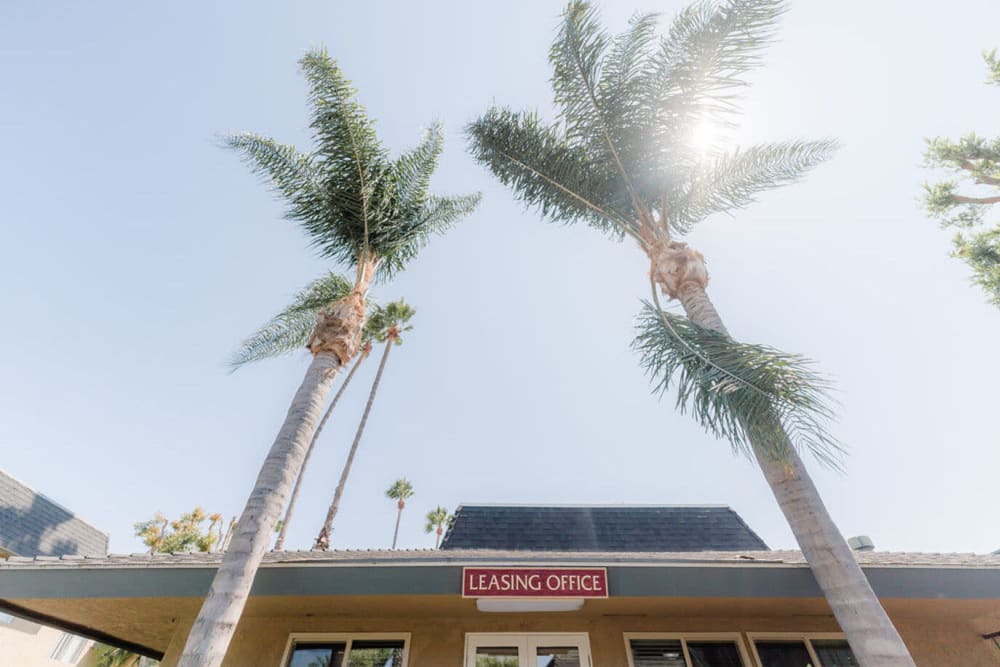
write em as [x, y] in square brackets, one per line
[527, 650]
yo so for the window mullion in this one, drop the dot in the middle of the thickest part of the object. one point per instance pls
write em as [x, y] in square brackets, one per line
[684, 650]
[812, 653]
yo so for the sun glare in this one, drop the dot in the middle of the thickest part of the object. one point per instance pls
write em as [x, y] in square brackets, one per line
[706, 136]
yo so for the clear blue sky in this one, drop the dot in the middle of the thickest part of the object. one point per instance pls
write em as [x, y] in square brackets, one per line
[135, 254]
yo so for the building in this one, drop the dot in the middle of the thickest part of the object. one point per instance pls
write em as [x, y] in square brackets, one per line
[32, 525]
[523, 586]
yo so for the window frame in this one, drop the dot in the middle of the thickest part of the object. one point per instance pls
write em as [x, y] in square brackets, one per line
[524, 640]
[348, 638]
[804, 637]
[77, 643]
[685, 637]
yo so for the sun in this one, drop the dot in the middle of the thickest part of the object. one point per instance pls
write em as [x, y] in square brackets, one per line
[705, 136]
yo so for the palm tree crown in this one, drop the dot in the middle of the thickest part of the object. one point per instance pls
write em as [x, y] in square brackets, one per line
[620, 158]
[357, 205]
[389, 322]
[400, 491]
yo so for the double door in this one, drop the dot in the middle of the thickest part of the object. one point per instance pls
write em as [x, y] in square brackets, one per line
[527, 650]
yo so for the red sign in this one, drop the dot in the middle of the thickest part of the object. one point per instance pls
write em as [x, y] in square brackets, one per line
[519, 582]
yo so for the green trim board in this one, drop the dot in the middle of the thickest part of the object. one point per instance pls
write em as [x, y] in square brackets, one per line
[730, 581]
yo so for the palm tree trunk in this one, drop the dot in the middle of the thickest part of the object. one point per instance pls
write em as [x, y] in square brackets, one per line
[875, 642]
[213, 629]
[280, 542]
[399, 515]
[323, 539]
[437, 537]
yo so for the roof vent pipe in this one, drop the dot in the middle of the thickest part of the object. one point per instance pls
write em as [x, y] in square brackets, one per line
[861, 543]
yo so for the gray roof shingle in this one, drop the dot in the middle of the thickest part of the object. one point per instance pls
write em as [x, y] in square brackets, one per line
[33, 525]
[614, 528]
[376, 557]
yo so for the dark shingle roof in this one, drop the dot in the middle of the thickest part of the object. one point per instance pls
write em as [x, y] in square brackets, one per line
[33, 525]
[608, 528]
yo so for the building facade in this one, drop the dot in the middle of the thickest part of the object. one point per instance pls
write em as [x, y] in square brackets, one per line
[529, 587]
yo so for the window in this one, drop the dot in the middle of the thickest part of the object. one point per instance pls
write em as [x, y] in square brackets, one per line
[527, 650]
[646, 650]
[69, 648]
[803, 652]
[347, 651]
[6, 618]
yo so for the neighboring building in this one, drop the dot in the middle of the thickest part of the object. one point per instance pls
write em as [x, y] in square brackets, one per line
[32, 525]
[517, 586]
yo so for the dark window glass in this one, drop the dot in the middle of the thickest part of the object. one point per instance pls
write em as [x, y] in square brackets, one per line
[376, 654]
[714, 654]
[317, 655]
[657, 653]
[783, 654]
[834, 653]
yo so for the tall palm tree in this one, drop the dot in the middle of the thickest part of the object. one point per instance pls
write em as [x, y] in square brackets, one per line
[363, 210]
[366, 349]
[621, 158]
[437, 519]
[400, 490]
[386, 327]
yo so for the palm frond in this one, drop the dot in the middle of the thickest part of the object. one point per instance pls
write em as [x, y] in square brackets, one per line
[576, 56]
[352, 160]
[733, 180]
[700, 64]
[545, 172]
[290, 329]
[739, 392]
[412, 170]
[291, 173]
[435, 216]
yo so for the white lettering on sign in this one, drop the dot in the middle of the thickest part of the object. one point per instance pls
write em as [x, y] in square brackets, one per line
[534, 582]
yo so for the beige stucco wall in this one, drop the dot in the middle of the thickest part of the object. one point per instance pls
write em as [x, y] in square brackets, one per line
[937, 636]
[27, 644]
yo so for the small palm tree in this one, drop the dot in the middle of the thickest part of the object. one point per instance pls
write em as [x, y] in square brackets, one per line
[437, 519]
[386, 326]
[400, 490]
[621, 158]
[363, 210]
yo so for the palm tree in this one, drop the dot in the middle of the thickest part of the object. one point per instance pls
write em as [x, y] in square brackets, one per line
[361, 209]
[400, 490]
[386, 327]
[366, 349]
[621, 158]
[437, 518]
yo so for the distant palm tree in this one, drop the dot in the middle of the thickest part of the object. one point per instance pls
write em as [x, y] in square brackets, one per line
[386, 325]
[400, 490]
[437, 519]
[359, 208]
[624, 156]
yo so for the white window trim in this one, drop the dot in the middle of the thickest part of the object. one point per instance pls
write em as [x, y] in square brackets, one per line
[685, 637]
[805, 637]
[522, 640]
[346, 637]
[82, 644]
